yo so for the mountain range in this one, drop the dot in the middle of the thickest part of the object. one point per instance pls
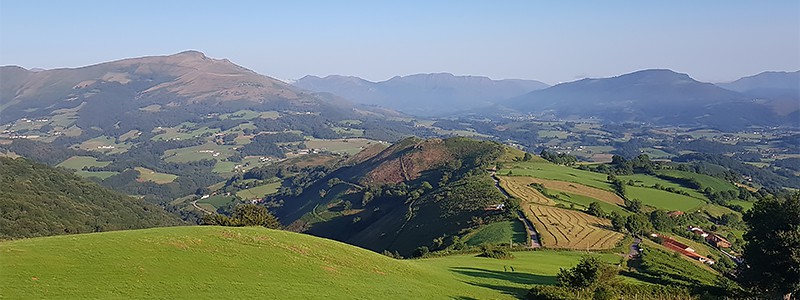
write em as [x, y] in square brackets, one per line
[422, 94]
[655, 96]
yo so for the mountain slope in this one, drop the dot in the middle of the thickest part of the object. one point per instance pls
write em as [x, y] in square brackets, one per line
[209, 262]
[37, 200]
[655, 96]
[765, 80]
[403, 197]
[422, 94]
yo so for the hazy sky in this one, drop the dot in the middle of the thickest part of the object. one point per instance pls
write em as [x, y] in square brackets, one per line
[551, 41]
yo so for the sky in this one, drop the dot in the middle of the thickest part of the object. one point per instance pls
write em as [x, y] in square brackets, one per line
[550, 41]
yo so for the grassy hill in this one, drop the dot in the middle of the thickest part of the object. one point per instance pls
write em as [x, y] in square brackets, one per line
[252, 262]
[38, 200]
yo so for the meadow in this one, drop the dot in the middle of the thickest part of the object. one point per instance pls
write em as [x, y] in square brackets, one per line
[348, 146]
[146, 174]
[499, 233]
[79, 162]
[259, 191]
[250, 262]
[663, 199]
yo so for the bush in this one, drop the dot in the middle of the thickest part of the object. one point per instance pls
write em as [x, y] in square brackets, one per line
[491, 251]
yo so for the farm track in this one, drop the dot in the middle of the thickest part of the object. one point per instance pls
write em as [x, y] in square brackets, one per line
[535, 239]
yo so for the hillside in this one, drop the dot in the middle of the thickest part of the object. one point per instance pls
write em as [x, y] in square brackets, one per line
[37, 200]
[653, 96]
[207, 262]
[404, 197]
[422, 94]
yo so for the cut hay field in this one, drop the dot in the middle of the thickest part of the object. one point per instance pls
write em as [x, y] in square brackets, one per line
[580, 189]
[259, 191]
[569, 229]
[146, 174]
[518, 187]
[499, 233]
[249, 262]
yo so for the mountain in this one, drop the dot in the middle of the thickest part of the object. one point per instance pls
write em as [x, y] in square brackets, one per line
[422, 94]
[142, 93]
[403, 197]
[654, 96]
[38, 200]
[765, 80]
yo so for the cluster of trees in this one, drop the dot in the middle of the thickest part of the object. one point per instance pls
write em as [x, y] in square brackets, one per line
[559, 158]
[244, 215]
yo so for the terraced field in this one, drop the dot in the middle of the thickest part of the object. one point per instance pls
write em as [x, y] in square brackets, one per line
[518, 186]
[569, 229]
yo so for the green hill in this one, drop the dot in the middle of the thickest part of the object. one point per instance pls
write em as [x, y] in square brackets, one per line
[415, 193]
[38, 200]
[253, 262]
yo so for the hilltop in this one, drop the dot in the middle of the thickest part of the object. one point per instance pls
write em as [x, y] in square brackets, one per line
[37, 200]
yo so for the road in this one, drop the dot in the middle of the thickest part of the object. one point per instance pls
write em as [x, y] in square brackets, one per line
[535, 243]
[194, 203]
[634, 251]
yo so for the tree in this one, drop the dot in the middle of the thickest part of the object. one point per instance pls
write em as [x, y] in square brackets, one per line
[772, 253]
[595, 209]
[633, 205]
[589, 273]
[421, 251]
[618, 221]
[660, 220]
[637, 224]
[526, 157]
[244, 215]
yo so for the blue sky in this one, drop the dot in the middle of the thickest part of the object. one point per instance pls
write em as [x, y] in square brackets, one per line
[551, 41]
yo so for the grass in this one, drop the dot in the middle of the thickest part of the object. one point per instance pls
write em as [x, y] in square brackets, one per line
[518, 186]
[259, 191]
[649, 181]
[569, 229]
[146, 174]
[250, 262]
[547, 170]
[714, 183]
[195, 153]
[100, 175]
[177, 133]
[104, 144]
[747, 205]
[663, 199]
[216, 201]
[499, 232]
[79, 162]
[583, 202]
[349, 146]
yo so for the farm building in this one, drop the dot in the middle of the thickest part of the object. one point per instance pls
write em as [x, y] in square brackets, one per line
[682, 248]
[710, 237]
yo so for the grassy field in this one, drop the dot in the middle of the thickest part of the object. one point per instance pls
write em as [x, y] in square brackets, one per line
[204, 151]
[663, 199]
[250, 262]
[259, 191]
[178, 133]
[747, 205]
[499, 232]
[547, 170]
[146, 174]
[349, 146]
[649, 181]
[216, 201]
[104, 144]
[100, 175]
[582, 202]
[569, 229]
[79, 162]
[579, 189]
[714, 183]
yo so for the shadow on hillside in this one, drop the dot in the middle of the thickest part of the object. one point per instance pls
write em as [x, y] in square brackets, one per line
[514, 278]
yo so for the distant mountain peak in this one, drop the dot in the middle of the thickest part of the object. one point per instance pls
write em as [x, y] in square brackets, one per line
[656, 75]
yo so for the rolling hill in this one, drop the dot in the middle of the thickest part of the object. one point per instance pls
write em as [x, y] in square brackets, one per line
[37, 200]
[653, 96]
[422, 94]
[251, 262]
[406, 196]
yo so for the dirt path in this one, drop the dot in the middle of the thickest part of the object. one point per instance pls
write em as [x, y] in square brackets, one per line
[535, 243]
[194, 203]
[634, 251]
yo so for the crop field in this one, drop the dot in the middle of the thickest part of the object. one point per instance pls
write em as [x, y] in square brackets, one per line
[79, 162]
[569, 229]
[146, 174]
[518, 187]
[583, 202]
[349, 146]
[499, 233]
[579, 189]
[259, 191]
[268, 264]
[663, 199]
